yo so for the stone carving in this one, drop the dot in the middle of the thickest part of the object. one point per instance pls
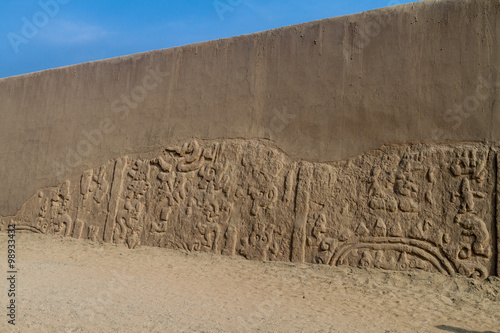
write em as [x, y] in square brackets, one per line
[471, 162]
[130, 217]
[94, 183]
[466, 196]
[403, 207]
[475, 227]
[53, 216]
[379, 198]
[258, 244]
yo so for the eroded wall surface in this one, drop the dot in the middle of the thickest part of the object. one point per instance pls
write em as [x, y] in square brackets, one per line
[403, 207]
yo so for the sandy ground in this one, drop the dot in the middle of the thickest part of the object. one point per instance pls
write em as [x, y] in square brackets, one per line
[67, 285]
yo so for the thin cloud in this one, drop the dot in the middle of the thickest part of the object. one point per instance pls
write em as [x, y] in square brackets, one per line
[69, 32]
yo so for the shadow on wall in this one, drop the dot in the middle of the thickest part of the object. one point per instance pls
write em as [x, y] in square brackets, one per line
[459, 330]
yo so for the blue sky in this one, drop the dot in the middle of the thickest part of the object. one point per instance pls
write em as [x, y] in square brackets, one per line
[42, 34]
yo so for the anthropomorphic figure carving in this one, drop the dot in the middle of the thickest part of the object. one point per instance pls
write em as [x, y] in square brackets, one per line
[159, 226]
[262, 197]
[211, 233]
[130, 219]
[379, 199]
[173, 189]
[474, 226]
[407, 190]
[42, 222]
[467, 197]
[257, 245]
[64, 191]
[405, 186]
[127, 217]
[318, 231]
[134, 238]
[99, 186]
[217, 212]
[63, 224]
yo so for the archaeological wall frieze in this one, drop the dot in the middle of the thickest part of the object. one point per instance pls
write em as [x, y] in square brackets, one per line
[429, 207]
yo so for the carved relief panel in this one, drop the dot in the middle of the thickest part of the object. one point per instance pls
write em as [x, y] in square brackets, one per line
[403, 207]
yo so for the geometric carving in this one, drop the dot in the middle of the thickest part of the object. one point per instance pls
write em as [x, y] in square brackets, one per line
[402, 207]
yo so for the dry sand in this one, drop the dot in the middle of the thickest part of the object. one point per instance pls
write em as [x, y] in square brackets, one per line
[67, 285]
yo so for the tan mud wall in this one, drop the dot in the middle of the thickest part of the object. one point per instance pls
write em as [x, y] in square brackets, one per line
[321, 91]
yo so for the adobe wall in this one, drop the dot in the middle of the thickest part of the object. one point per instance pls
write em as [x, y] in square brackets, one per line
[81, 145]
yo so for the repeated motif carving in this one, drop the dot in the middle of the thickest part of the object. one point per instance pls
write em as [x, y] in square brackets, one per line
[403, 207]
